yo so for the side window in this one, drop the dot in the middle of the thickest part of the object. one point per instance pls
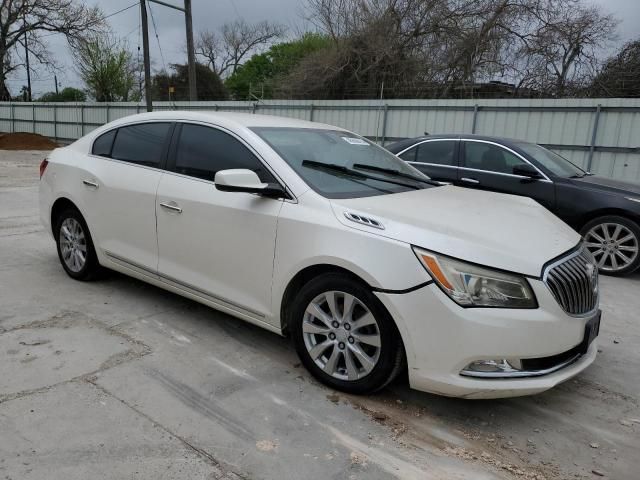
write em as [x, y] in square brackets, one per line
[202, 151]
[142, 144]
[409, 155]
[485, 156]
[102, 144]
[438, 152]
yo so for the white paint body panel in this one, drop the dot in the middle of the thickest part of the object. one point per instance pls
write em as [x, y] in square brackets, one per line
[238, 252]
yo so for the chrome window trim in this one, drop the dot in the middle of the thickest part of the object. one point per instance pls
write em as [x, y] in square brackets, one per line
[504, 147]
[431, 164]
[415, 145]
[521, 177]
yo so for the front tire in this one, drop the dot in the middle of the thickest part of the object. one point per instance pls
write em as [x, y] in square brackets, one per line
[75, 247]
[344, 336]
[615, 243]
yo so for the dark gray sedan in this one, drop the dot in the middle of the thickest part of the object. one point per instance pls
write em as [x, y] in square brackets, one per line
[605, 211]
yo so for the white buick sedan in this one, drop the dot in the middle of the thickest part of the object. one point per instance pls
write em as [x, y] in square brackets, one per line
[310, 230]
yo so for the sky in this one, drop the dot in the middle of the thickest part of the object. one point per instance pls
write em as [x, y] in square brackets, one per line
[210, 14]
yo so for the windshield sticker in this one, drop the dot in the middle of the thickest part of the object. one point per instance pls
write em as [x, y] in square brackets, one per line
[355, 141]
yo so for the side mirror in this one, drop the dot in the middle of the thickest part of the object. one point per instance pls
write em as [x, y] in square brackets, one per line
[247, 181]
[526, 170]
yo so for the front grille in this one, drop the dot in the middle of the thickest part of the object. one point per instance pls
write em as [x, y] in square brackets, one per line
[573, 281]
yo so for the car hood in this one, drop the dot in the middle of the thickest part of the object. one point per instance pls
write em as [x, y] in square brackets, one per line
[608, 185]
[502, 231]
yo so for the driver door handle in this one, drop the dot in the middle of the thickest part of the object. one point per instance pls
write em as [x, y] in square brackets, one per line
[470, 180]
[90, 183]
[173, 206]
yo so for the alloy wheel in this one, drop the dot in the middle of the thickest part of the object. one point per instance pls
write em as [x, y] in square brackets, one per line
[341, 335]
[613, 245]
[73, 244]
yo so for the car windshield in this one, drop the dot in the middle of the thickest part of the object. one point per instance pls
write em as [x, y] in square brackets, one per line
[553, 162]
[340, 164]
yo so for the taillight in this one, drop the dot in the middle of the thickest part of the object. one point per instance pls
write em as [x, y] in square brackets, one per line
[43, 166]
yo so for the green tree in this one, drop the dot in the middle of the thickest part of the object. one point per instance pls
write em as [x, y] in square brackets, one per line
[107, 69]
[68, 94]
[209, 85]
[258, 77]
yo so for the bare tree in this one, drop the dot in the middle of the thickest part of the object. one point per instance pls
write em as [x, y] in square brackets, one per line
[560, 48]
[31, 20]
[225, 50]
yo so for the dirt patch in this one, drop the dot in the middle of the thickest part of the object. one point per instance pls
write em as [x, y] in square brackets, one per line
[25, 141]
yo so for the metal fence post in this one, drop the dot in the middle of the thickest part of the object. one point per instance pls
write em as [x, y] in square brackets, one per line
[55, 122]
[475, 118]
[107, 113]
[82, 120]
[33, 118]
[255, 106]
[311, 108]
[384, 124]
[594, 133]
[13, 118]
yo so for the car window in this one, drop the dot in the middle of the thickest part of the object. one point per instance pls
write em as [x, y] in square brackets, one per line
[438, 152]
[203, 151]
[557, 164]
[142, 144]
[102, 145]
[409, 155]
[485, 156]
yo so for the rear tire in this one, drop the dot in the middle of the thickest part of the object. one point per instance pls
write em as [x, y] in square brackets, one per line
[615, 243]
[344, 335]
[75, 246]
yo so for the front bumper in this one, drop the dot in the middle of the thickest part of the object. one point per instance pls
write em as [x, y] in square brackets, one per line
[442, 338]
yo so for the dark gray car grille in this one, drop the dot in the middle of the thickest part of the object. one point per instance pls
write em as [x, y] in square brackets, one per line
[573, 281]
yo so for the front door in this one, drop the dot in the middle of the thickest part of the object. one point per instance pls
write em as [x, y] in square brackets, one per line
[218, 244]
[489, 166]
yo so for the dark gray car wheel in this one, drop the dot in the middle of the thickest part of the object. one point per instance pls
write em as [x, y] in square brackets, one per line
[75, 247]
[614, 241]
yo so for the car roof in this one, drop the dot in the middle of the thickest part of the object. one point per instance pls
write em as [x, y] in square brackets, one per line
[247, 120]
[406, 143]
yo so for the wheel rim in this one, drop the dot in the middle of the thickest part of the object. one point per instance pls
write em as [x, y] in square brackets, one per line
[73, 244]
[614, 246]
[341, 335]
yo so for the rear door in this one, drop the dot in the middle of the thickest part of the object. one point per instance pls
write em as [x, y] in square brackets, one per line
[437, 158]
[220, 244]
[120, 185]
[489, 166]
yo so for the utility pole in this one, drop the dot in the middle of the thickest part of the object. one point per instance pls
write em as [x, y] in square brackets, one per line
[26, 59]
[191, 56]
[55, 79]
[145, 51]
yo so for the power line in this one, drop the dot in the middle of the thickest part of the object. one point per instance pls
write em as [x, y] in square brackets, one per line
[155, 31]
[104, 18]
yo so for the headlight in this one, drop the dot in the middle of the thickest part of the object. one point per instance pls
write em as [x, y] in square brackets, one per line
[472, 286]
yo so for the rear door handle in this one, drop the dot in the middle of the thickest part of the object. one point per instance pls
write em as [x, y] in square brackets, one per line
[470, 180]
[90, 183]
[173, 206]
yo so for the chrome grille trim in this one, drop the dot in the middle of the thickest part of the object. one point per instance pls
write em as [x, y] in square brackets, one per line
[573, 282]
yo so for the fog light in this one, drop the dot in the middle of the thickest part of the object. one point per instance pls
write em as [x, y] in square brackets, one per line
[480, 367]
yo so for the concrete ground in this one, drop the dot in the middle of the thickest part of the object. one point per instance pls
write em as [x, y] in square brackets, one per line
[118, 379]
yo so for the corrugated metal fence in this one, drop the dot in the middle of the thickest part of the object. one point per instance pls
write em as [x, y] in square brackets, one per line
[602, 135]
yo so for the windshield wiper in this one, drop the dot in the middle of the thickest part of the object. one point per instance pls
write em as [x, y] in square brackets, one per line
[397, 173]
[332, 167]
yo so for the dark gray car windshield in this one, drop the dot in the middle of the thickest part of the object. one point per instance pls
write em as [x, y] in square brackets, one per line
[344, 149]
[553, 162]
